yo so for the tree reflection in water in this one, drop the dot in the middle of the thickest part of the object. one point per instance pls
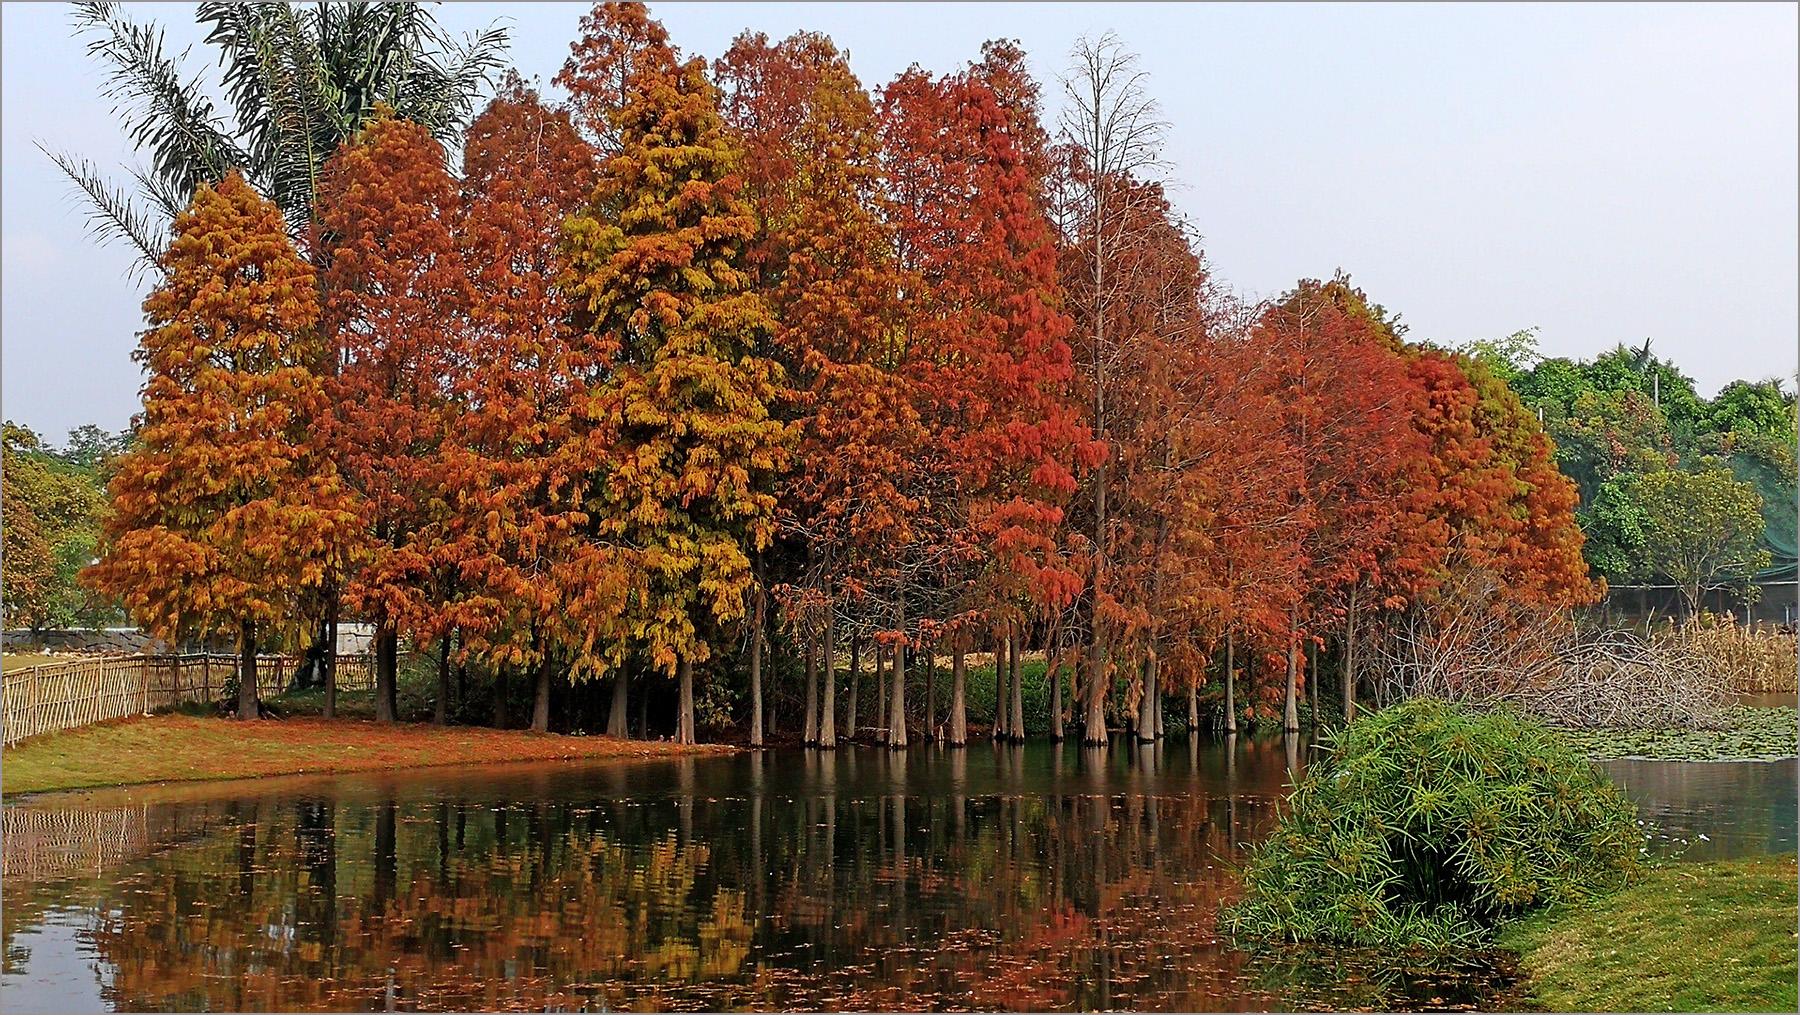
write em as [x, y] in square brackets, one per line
[995, 878]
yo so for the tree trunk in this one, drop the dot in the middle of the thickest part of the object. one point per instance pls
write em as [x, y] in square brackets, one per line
[1015, 725]
[246, 705]
[1193, 709]
[500, 718]
[387, 654]
[618, 720]
[331, 659]
[811, 717]
[758, 621]
[882, 698]
[1094, 732]
[959, 706]
[931, 693]
[1231, 725]
[1002, 703]
[643, 714]
[850, 715]
[1312, 680]
[897, 726]
[440, 712]
[540, 705]
[1146, 717]
[684, 721]
[1053, 662]
[1349, 678]
[828, 703]
[1290, 706]
[1156, 665]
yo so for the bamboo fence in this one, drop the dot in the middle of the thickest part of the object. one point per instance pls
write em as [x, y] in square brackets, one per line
[60, 696]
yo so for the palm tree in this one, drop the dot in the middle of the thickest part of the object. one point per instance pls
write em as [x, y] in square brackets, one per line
[299, 82]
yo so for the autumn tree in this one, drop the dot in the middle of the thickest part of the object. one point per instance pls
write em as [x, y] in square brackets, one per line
[224, 514]
[1348, 406]
[1111, 143]
[822, 256]
[394, 299]
[657, 263]
[531, 585]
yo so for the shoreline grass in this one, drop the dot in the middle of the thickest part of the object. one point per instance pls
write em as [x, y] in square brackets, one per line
[187, 748]
[1688, 937]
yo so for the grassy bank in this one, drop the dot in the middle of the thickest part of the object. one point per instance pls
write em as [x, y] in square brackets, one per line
[1689, 937]
[175, 747]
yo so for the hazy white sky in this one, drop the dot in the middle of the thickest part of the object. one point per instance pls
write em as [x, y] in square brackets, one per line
[1607, 173]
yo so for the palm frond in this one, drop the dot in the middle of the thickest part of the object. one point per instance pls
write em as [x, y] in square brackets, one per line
[163, 113]
[112, 215]
[274, 79]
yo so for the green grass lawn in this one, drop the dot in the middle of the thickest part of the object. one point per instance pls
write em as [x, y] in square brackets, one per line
[1689, 937]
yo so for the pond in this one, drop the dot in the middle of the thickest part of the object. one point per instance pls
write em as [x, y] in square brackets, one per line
[1038, 877]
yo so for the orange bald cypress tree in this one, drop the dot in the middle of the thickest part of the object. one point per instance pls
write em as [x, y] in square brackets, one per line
[395, 297]
[519, 454]
[223, 515]
[822, 257]
[657, 262]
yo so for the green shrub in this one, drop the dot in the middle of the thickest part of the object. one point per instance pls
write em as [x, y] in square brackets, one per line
[1425, 825]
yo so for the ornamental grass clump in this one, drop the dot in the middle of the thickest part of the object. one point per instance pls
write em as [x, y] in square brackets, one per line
[1426, 824]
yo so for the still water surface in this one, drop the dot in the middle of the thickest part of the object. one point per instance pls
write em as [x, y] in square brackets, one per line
[1039, 877]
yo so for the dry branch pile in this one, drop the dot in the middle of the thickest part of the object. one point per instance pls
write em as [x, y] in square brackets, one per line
[1473, 646]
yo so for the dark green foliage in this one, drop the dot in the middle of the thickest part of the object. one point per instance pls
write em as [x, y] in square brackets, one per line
[1425, 825]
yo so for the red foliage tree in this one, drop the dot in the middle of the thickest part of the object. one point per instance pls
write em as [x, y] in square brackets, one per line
[395, 299]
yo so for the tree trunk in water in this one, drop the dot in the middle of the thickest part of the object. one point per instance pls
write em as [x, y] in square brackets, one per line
[1193, 711]
[1312, 680]
[828, 703]
[1094, 733]
[882, 697]
[331, 659]
[1015, 724]
[959, 707]
[1146, 717]
[246, 703]
[1002, 704]
[1230, 682]
[618, 722]
[387, 652]
[1290, 707]
[1054, 664]
[684, 722]
[811, 734]
[897, 707]
[1156, 666]
[1349, 679]
[897, 711]
[540, 705]
[499, 699]
[855, 686]
[758, 621]
[931, 731]
[440, 713]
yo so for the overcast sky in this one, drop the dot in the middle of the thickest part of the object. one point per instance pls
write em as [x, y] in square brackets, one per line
[1605, 173]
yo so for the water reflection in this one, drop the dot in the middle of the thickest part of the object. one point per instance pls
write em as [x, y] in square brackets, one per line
[1042, 877]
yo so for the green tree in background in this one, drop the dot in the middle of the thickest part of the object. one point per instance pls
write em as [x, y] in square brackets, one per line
[1626, 416]
[53, 502]
[1701, 529]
